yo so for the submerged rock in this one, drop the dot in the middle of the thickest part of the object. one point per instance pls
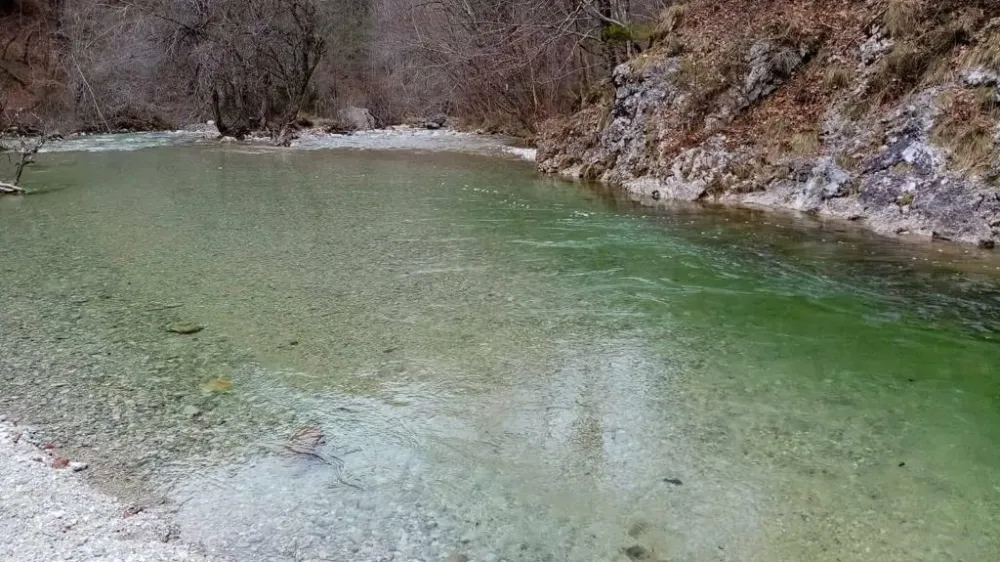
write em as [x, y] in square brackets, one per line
[185, 328]
[636, 553]
[216, 385]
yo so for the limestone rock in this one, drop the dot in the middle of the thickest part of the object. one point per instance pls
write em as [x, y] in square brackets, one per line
[359, 118]
[873, 48]
[882, 166]
[770, 64]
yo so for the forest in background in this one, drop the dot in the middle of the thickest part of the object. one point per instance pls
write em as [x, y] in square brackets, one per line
[265, 65]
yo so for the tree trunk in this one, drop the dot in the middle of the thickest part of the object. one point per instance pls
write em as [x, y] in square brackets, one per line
[238, 132]
[220, 124]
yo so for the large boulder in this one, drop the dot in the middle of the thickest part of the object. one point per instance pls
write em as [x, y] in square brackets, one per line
[358, 118]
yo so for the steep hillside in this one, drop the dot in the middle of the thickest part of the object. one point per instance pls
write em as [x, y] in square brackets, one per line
[28, 62]
[884, 112]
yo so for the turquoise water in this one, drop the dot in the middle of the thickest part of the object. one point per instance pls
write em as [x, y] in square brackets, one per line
[503, 365]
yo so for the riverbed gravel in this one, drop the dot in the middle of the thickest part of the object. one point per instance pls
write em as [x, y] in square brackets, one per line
[49, 513]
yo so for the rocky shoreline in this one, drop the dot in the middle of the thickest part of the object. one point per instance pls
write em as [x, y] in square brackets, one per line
[902, 188]
[816, 119]
[49, 512]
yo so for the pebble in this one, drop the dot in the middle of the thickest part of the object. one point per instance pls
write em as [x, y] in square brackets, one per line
[77, 466]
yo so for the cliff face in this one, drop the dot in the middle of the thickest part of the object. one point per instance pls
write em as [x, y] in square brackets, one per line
[885, 112]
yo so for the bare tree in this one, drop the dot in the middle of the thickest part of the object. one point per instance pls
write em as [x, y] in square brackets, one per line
[252, 60]
[21, 154]
[135, 64]
[255, 65]
[513, 61]
[25, 152]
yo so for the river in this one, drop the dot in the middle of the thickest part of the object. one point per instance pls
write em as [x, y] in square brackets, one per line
[503, 365]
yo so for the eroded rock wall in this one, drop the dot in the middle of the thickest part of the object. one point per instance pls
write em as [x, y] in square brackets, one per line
[881, 166]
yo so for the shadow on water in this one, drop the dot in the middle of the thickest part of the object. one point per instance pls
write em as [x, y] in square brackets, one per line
[411, 356]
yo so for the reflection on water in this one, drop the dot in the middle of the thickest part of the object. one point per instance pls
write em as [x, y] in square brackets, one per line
[563, 466]
[502, 366]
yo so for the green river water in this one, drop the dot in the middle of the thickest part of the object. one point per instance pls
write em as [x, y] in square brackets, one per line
[504, 366]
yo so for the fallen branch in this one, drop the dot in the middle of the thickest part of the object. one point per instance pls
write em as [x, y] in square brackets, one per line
[10, 189]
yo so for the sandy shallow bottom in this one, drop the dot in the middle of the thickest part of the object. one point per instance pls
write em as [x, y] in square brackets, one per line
[49, 513]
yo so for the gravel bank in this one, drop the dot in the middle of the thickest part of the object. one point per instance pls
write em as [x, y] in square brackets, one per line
[49, 513]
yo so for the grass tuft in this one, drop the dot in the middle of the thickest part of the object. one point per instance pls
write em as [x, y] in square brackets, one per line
[837, 77]
[671, 19]
[966, 129]
[902, 17]
[926, 34]
[987, 52]
[806, 143]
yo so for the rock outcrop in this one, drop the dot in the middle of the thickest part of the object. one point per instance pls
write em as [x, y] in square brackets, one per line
[829, 115]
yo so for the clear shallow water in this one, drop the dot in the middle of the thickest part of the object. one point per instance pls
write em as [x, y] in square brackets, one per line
[505, 366]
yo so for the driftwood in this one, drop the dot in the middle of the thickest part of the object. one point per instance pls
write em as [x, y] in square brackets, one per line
[10, 189]
[306, 442]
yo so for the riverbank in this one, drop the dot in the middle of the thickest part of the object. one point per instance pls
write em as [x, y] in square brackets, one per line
[849, 112]
[49, 512]
[399, 137]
